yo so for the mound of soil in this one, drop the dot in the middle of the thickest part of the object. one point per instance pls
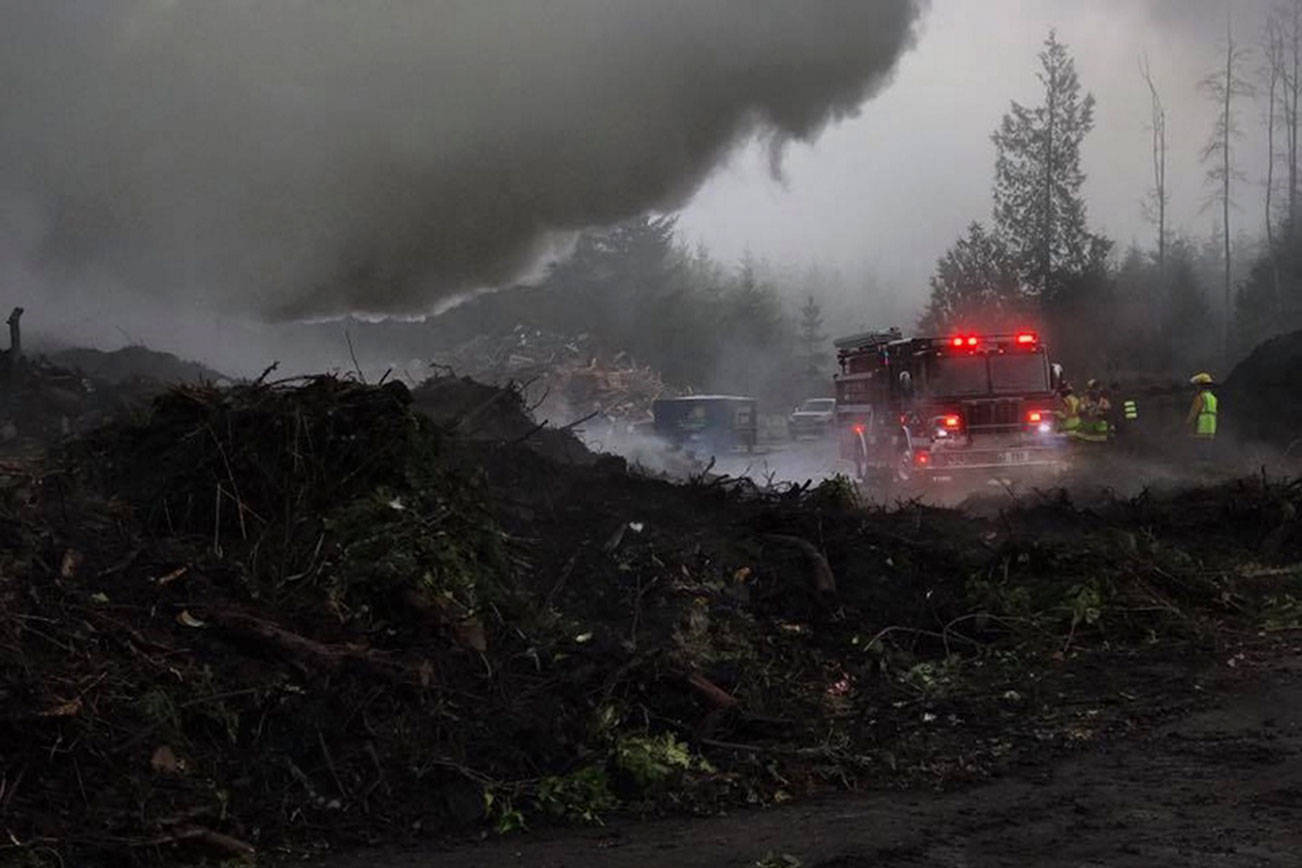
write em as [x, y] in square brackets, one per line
[305, 615]
[134, 362]
[1261, 394]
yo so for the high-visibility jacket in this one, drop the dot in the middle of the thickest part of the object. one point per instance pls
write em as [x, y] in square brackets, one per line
[1069, 415]
[1202, 415]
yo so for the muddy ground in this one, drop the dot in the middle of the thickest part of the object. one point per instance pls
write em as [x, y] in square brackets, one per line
[1210, 775]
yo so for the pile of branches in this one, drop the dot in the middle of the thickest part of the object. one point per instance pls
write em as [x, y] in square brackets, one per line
[566, 376]
[305, 615]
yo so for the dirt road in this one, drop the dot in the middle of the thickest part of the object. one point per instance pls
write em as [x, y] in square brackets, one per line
[1222, 787]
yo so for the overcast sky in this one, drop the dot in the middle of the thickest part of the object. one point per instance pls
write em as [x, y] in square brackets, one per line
[890, 190]
[164, 165]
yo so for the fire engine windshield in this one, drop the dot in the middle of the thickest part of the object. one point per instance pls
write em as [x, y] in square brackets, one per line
[1019, 373]
[958, 375]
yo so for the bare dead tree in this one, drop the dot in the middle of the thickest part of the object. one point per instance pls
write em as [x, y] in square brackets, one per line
[1157, 196]
[1222, 86]
[1273, 74]
[1289, 18]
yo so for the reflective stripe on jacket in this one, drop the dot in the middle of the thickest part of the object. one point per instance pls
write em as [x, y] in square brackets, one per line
[1131, 410]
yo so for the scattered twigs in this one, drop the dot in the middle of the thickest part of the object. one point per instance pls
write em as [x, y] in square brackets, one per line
[353, 354]
[577, 422]
[262, 378]
[8, 788]
[330, 764]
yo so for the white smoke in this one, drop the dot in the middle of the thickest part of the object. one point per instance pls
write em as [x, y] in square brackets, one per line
[313, 157]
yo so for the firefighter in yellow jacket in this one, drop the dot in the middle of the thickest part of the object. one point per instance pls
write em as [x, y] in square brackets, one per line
[1096, 413]
[1202, 417]
[1068, 411]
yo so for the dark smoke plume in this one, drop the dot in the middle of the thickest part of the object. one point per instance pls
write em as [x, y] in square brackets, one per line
[313, 157]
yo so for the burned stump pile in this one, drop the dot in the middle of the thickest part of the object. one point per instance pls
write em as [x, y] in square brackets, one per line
[305, 615]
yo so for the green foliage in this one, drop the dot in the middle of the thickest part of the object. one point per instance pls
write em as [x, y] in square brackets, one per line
[835, 492]
[580, 796]
[1281, 612]
[433, 541]
[502, 813]
[999, 596]
[651, 760]
[932, 678]
[778, 860]
[1085, 603]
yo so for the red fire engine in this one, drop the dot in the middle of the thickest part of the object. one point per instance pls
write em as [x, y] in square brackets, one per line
[911, 409]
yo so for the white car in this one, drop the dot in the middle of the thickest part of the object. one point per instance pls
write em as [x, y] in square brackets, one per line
[812, 417]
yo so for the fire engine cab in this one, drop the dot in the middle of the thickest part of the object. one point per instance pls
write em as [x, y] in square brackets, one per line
[912, 409]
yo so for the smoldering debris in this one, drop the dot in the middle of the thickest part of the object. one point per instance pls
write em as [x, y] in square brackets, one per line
[325, 158]
[298, 614]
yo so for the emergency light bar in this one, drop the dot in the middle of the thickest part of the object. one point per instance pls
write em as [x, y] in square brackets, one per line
[1021, 339]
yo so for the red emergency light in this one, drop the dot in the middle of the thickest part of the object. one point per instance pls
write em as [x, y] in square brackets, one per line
[951, 421]
[1034, 416]
[1025, 338]
[858, 429]
[972, 341]
[921, 458]
[958, 342]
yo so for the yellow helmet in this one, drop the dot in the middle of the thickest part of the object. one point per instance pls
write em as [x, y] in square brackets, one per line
[1201, 379]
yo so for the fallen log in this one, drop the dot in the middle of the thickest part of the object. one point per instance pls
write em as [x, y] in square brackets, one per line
[308, 655]
[713, 693]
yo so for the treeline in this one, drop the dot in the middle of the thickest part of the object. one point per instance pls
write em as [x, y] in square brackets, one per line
[705, 326]
[1182, 303]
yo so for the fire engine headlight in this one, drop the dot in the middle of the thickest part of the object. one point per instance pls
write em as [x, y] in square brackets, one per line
[1045, 428]
[941, 432]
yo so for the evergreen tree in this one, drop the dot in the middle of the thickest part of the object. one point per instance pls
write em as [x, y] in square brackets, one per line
[1038, 207]
[977, 284]
[1188, 325]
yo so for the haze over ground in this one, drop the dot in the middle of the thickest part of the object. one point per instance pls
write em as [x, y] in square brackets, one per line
[170, 169]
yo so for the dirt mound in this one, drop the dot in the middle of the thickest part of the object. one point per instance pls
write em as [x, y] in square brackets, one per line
[475, 411]
[1260, 396]
[307, 614]
[42, 403]
[133, 362]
